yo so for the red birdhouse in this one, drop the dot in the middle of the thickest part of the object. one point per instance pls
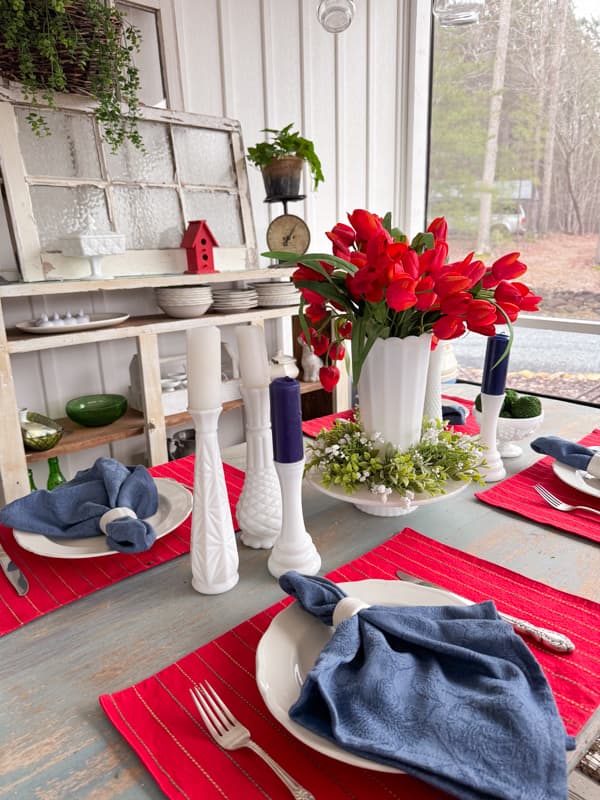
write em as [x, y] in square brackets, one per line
[199, 242]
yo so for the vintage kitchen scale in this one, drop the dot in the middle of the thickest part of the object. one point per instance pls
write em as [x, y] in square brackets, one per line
[287, 233]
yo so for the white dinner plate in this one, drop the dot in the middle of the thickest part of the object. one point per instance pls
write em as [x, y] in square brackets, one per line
[96, 321]
[291, 644]
[577, 478]
[174, 505]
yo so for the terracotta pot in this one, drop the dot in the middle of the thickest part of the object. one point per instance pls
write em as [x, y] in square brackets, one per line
[282, 177]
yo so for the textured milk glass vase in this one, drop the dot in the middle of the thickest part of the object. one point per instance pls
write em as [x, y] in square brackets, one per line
[391, 389]
[432, 408]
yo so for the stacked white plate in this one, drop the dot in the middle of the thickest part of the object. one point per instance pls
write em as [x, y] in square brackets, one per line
[184, 301]
[277, 294]
[234, 299]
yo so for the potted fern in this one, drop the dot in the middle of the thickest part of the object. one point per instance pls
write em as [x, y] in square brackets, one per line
[281, 161]
[73, 46]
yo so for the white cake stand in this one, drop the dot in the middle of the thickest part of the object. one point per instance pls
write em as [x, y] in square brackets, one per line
[395, 506]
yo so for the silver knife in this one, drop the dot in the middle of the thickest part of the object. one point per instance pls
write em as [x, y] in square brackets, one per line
[551, 640]
[13, 573]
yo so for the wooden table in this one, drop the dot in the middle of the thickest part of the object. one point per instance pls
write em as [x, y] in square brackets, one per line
[56, 741]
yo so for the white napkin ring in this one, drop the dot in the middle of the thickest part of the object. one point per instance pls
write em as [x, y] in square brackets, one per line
[347, 607]
[594, 466]
[113, 514]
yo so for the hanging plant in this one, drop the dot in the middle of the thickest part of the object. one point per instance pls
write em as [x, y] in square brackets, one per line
[73, 46]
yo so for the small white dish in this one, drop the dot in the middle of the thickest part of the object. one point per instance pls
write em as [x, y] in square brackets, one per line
[291, 644]
[174, 505]
[511, 430]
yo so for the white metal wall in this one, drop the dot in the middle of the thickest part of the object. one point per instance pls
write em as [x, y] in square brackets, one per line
[360, 96]
[269, 62]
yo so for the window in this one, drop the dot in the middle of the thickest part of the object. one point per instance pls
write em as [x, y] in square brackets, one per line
[192, 168]
[515, 165]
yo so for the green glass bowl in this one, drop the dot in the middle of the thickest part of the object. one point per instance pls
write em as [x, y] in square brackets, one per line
[94, 410]
[43, 436]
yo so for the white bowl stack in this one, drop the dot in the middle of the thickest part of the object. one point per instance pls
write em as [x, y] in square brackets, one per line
[184, 301]
[277, 294]
[235, 299]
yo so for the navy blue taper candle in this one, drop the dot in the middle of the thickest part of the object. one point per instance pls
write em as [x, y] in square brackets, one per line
[286, 420]
[494, 374]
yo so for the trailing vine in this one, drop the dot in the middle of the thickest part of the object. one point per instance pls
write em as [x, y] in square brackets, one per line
[80, 46]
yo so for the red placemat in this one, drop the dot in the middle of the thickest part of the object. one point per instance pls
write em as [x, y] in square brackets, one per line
[157, 718]
[517, 494]
[313, 427]
[54, 582]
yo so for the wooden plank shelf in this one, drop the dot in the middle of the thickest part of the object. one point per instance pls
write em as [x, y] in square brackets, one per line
[144, 330]
[132, 423]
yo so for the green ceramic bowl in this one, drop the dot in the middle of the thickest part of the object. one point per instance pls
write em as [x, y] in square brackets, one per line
[40, 432]
[94, 410]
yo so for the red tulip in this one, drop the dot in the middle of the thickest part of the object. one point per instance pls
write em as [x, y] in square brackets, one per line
[336, 351]
[400, 293]
[329, 376]
[433, 260]
[315, 312]
[439, 228]
[311, 297]
[448, 327]
[480, 312]
[342, 235]
[320, 343]
[426, 297]
[365, 224]
[451, 283]
[345, 329]
[455, 304]
[508, 267]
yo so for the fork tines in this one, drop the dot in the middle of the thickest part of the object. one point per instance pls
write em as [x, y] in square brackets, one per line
[215, 714]
[548, 497]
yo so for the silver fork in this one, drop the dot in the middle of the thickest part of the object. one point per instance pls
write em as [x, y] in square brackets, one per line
[230, 734]
[558, 504]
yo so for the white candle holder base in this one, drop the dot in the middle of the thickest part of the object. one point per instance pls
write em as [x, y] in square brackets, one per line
[294, 548]
[213, 545]
[491, 405]
[259, 507]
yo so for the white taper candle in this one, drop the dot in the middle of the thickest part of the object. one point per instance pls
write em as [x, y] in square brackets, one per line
[204, 368]
[254, 362]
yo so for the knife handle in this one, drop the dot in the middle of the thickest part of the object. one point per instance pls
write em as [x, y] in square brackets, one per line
[552, 640]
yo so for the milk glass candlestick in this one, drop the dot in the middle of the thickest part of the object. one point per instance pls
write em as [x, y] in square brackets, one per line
[213, 546]
[259, 507]
[294, 548]
[492, 397]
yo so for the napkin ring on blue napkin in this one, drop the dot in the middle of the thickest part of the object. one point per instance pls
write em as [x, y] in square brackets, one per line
[115, 513]
[594, 466]
[347, 607]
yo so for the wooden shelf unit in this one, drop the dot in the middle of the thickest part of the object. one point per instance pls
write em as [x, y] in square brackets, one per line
[145, 330]
[132, 423]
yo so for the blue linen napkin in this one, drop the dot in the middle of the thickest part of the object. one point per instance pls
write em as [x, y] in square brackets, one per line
[454, 414]
[571, 453]
[449, 694]
[73, 510]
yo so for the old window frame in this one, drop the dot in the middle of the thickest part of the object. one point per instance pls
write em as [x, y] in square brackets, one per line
[36, 264]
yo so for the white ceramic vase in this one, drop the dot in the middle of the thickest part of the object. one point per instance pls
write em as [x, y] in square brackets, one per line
[432, 407]
[391, 389]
